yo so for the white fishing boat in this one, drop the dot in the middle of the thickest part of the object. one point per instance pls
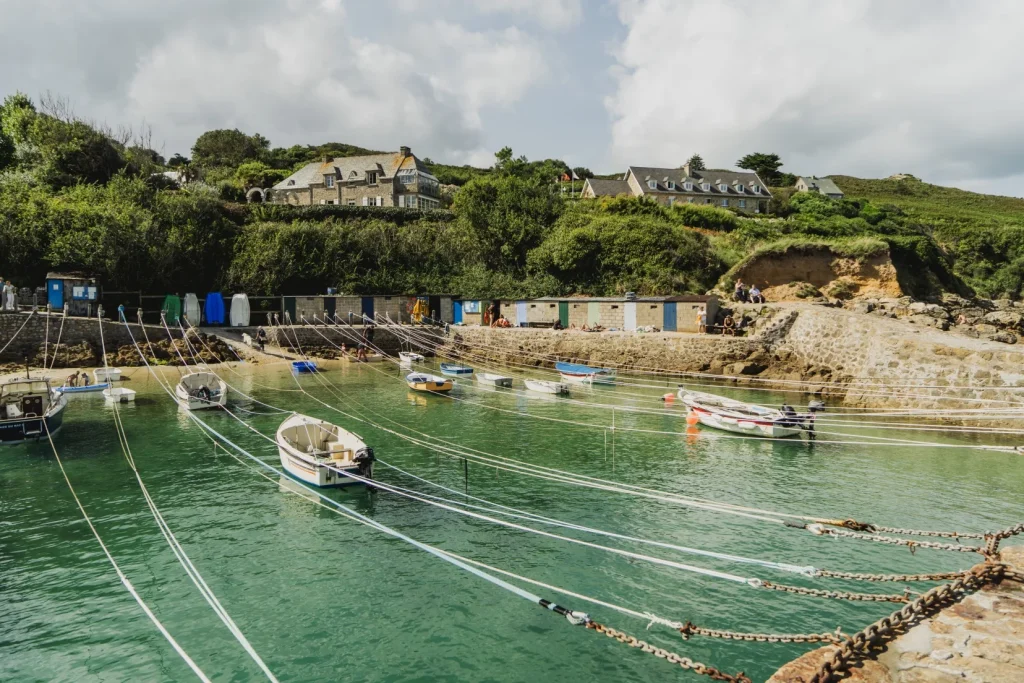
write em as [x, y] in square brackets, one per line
[119, 395]
[543, 386]
[410, 357]
[320, 453]
[575, 373]
[738, 417]
[201, 389]
[29, 409]
[103, 375]
[421, 381]
[491, 379]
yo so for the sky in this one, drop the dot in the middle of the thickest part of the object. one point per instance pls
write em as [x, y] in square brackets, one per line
[857, 87]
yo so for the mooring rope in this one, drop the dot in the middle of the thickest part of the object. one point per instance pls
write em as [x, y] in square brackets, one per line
[15, 336]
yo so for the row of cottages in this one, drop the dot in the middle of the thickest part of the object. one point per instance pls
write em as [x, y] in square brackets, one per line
[740, 190]
[352, 308]
[389, 179]
[666, 313]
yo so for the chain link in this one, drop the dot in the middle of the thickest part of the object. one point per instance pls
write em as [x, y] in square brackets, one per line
[688, 629]
[853, 576]
[671, 657]
[862, 645]
[918, 532]
[913, 545]
[837, 595]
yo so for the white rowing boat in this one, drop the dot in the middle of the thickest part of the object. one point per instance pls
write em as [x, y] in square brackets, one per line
[542, 386]
[321, 454]
[575, 373]
[119, 395]
[491, 379]
[104, 375]
[200, 390]
[410, 357]
[738, 417]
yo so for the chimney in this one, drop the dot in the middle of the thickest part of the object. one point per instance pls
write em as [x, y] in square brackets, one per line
[405, 151]
[686, 170]
[326, 158]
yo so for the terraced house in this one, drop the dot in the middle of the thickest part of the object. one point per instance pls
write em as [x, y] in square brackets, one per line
[389, 179]
[739, 190]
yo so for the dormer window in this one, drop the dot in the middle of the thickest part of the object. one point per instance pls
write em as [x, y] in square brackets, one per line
[706, 187]
[688, 186]
[291, 181]
[756, 189]
[670, 185]
[739, 188]
[328, 181]
[652, 184]
[352, 174]
[723, 187]
[371, 177]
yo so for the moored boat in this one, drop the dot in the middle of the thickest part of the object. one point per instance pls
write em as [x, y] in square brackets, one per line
[119, 395]
[322, 454]
[202, 389]
[304, 366]
[543, 386]
[410, 357]
[494, 380]
[421, 381]
[584, 374]
[86, 389]
[455, 370]
[738, 417]
[29, 408]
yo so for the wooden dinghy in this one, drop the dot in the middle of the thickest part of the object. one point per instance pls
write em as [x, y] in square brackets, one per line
[494, 380]
[421, 381]
[730, 415]
[542, 386]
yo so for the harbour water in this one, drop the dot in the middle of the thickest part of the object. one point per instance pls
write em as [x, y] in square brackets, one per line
[323, 598]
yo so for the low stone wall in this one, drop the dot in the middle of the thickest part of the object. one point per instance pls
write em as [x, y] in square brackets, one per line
[320, 336]
[76, 331]
[979, 640]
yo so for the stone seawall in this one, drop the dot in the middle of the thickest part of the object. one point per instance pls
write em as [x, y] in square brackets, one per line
[311, 337]
[76, 330]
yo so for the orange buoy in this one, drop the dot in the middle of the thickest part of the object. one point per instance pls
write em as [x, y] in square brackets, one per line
[691, 418]
[668, 398]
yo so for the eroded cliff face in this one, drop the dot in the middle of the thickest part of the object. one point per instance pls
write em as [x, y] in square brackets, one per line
[799, 274]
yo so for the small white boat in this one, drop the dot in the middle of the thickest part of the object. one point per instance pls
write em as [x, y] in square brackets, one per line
[543, 386]
[239, 310]
[103, 375]
[119, 395]
[410, 357]
[494, 380]
[455, 369]
[584, 374]
[730, 415]
[421, 381]
[199, 390]
[191, 309]
[321, 454]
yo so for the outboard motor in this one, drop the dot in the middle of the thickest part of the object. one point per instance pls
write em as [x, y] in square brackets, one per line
[203, 393]
[816, 406]
[364, 459]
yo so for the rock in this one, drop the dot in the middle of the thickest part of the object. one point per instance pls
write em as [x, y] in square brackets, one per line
[1002, 304]
[971, 314]
[745, 369]
[759, 357]
[863, 307]
[1004, 337]
[1005, 318]
[929, 321]
[985, 329]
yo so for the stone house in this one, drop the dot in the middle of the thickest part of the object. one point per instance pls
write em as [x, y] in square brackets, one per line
[598, 187]
[390, 179]
[740, 190]
[825, 186]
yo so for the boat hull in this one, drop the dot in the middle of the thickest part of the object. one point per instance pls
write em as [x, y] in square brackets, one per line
[727, 423]
[194, 403]
[316, 475]
[119, 395]
[584, 374]
[455, 370]
[102, 375]
[433, 386]
[92, 388]
[24, 429]
[545, 387]
[406, 357]
[494, 380]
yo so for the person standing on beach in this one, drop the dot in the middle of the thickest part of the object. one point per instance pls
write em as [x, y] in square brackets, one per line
[10, 302]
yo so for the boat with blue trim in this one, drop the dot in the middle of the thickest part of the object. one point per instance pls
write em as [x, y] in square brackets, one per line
[578, 373]
[455, 370]
[302, 366]
[29, 408]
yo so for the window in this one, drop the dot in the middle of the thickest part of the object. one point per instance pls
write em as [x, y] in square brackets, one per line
[351, 202]
[709, 200]
[670, 185]
[371, 177]
[706, 187]
[756, 189]
[688, 187]
[725, 202]
[689, 200]
[352, 175]
[614, 307]
[366, 201]
[652, 184]
[743, 203]
[328, 181]
[380, 201]
[739, 188]
[722, 187]
[671, 201]
[291, 181]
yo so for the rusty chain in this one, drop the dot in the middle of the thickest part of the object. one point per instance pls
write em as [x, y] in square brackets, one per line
[837, 595]
[862, 645]
[918, 532]
[854, 576]
[913, 545]
[670, 657]
[688, 629]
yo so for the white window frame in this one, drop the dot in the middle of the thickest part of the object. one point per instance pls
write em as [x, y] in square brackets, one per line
[706, 187]
[724, 203]
[670, 185]
[366, 201]
[328, 181]
[380, 201]
[739, 188]
[371, 177]
[688, 187]
[671, 201]
[351, 202]
[722, 187]
[652, 184]
[756, 189]
[743, 203]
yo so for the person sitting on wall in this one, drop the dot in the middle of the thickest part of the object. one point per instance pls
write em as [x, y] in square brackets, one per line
[558, 325]
[755, 295]
[729, 325]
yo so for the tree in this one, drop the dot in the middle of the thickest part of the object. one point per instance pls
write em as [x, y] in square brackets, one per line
[764, 165]
[696, 163]
[258, 174]
[16, 116]
[228, 148]
[178, 160]
[507, 164]
[582, 172]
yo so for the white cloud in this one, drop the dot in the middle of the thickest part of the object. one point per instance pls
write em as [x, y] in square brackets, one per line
[865, 87]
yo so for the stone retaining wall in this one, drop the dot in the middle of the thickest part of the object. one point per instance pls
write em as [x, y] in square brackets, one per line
[76, 330]
[312, 337]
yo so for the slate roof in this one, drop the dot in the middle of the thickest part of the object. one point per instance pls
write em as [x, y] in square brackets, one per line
[386, 165]
[713, 176]
[822, 185]
[608, 188]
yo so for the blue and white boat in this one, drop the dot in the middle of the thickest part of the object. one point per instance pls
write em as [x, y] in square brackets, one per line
[584, 374]
[91, 388]
[455, 370]
[303, 366]
[29, 409]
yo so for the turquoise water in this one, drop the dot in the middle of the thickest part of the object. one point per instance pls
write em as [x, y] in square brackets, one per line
[324, 598]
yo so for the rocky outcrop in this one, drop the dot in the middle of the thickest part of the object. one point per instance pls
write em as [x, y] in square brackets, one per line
[999, 320]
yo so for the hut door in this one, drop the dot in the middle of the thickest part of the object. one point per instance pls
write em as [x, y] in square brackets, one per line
[55, 295]
[669, 324]
[368, 307]
[593, 313]
[330, 306]
[629, 318]
[563, 313]
[289, 307]
[456, 312]
[521, 313]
